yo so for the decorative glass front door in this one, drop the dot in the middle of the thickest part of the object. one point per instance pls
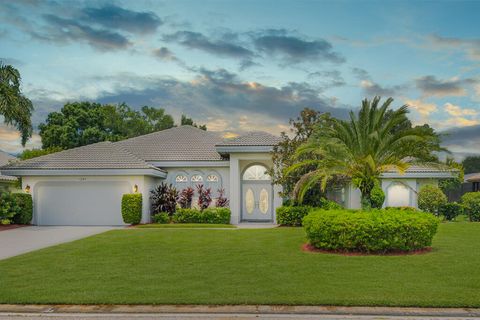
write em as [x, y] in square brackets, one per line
[256, 194]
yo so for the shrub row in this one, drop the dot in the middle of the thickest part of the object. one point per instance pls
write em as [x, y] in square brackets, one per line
[293, 215]
[370, 231]
[209, 215]
[16, 208]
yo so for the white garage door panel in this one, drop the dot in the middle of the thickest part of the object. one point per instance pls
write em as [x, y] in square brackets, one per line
[80, 202]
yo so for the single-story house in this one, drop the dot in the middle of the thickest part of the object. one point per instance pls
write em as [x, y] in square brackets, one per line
[84, 185]
[6, 182]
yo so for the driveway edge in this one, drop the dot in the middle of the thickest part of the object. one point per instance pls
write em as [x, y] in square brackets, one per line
[241, 309]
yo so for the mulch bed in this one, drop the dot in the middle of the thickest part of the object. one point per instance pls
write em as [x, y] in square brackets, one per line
[307, 247]
[11, 226]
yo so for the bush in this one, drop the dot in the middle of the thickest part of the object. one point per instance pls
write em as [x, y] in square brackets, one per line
[451, 210]
[292, 215]
[431, 198]
[161, 217]
[204, 197]
[210, 215]
[132, 208]
[221, 201]
[471, 203]
[164, 199]
[328, 204]
[8, 208]
[185, 198]
[370, 231]
[25, 204]
[377, 197]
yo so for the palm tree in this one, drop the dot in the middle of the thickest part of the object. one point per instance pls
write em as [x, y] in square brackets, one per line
[14, 106]
[363, 147]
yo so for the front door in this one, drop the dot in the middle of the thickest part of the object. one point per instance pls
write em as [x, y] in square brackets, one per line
[257, 195]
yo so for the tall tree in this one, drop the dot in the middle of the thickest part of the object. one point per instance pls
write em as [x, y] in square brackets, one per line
[186, 121]
[14, 106]
[362, 148]
[471, 164]
[82, 123]
[283, 157]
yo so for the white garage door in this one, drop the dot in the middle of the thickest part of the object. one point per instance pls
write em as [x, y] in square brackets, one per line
[83, 203]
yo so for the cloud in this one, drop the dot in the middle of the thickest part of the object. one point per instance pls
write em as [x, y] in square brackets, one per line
[221, 47]
[64, 30]
[360, 74]
[423, 108]
[458, 111]
[328, 79]
[374, 89]
[10, 140]
[294, 49]
[164, 54]
[430, 86]
[464, 140]
[11, 61]
[471, 47]
[113, 17]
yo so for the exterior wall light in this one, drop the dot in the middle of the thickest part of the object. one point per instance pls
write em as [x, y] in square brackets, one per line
[135, 189]
[27, 188]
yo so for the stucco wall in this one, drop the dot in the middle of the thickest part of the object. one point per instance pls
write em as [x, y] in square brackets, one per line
[413, 185]
[145, 184]
[238, 163]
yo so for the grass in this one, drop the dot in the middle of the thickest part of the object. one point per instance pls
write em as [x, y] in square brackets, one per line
[184, 226]
[244, 266]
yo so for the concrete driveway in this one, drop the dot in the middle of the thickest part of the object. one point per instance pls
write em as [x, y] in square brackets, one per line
[21, 240]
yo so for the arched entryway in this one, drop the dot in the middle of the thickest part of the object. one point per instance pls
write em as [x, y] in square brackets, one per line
[257, 194]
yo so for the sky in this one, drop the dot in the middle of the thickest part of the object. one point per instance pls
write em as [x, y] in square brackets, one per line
[249, 65]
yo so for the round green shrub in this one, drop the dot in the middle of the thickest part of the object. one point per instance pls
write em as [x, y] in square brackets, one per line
[161, 217]
[132, 208]
[8, 208]
[292, 215]
[451, 210]
[328, 204]
[377, 231]
[471, 203]
[25, 211]
[377, 197]
[431, 198]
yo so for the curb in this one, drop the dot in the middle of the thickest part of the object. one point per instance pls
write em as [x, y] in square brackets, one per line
[241, 309]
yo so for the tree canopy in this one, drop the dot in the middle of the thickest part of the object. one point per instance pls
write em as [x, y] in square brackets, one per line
[14, 106]
[471, 164]
[82, 123]
[362, 148]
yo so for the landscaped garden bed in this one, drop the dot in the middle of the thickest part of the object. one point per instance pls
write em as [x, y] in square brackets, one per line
[243, 266]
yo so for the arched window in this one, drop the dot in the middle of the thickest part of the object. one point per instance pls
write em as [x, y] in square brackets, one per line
[196, 178]
[212, 178]
[398, 195]
[256, 172]
[181, 178]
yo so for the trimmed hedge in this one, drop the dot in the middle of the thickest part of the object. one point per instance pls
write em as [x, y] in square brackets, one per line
[471, 203]
[431, 198]
[292, 216]
[378, 231]
[132, 208]
[451, 210]
[25, 211]
[209, 215]
[161, 217]
[8, 208]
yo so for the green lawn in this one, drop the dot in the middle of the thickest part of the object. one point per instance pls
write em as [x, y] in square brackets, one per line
[185, 226]
[243, 266]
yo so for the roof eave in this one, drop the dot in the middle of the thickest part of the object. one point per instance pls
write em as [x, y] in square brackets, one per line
[224, 149]
[154, 172]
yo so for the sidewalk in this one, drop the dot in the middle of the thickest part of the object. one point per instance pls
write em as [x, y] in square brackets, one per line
[229, 312]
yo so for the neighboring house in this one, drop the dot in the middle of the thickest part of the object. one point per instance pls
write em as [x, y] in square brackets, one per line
[400, 190]
[6, 182]
[84, 186]
[471, 183]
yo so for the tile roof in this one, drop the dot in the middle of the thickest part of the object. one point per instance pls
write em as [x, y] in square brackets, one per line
[102, 155]
[254, 138]
[184, 143]
[472, 177]
[5, 158]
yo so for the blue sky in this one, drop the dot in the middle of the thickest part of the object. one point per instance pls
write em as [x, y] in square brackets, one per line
[243, 65]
